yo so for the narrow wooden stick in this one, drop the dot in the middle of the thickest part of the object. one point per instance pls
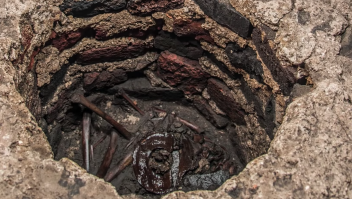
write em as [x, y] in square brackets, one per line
[189, 125]
[99, 141]
[124, 95]
[93, 146]
[103, 169]
[115, 171]
[185, 122]
[91, 153]
[82, 100]
[85, 138]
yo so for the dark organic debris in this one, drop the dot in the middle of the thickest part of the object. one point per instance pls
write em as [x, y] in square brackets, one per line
[163, 149]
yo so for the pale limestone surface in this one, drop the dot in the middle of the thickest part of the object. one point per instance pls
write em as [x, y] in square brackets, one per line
[310, 156]
[27, 167]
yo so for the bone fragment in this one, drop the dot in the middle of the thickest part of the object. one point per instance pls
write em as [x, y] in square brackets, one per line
[85, 139]
[78, 98]
[103, 169]
[124, 95]
[115, 171]
[185, 122]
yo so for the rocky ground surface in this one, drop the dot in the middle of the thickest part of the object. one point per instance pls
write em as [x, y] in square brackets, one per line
[309, 156]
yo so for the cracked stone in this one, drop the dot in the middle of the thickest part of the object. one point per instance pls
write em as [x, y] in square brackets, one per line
[113, 53]
[67, 40]
[82, 8]
[183, 47]
[223, 13]
[203, 107]
[221, 94]
[281, 75]
[145, 7]
[180, 72]
[346, 43]
[187, 27]
[103, 80]
[319, 121]
[245, 58]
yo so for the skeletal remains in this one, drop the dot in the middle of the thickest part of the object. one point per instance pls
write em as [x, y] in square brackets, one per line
[160, 157]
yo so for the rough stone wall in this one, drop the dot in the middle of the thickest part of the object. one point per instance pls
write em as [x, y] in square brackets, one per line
[309, 156]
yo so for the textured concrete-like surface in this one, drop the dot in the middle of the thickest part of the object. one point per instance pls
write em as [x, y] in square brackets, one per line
[308, 158]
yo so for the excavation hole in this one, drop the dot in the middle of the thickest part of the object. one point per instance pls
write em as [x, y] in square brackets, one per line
[206, 109]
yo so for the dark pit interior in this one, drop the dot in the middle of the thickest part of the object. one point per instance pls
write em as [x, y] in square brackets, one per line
[204, 117]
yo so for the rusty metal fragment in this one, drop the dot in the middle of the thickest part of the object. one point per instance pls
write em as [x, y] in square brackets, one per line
[147, 174]
[187, 161]
[158, 167]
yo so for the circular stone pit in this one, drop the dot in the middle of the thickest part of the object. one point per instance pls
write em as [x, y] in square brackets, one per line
[233, 78]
